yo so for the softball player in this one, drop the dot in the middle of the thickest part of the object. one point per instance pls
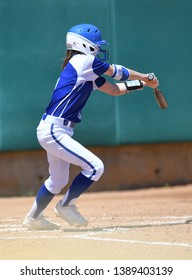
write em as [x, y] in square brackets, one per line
[83, 70]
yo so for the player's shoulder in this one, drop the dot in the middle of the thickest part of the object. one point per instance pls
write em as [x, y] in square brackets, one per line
[87, 58]
[89, 62]
[81, 61]
[82, 57]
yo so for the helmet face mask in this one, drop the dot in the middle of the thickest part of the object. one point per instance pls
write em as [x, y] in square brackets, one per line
[86, 38]
[103, 54]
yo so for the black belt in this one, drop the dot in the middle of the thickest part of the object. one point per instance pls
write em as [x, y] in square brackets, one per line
[68, 123]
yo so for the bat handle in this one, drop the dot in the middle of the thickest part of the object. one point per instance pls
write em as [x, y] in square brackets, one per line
[151, 76]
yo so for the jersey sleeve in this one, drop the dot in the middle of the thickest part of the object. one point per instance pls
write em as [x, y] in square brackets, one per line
[99, 82]
[99, 66]
[94, 67]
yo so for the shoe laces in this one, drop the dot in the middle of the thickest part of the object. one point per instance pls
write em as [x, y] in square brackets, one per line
[74, 208]
[42, 217]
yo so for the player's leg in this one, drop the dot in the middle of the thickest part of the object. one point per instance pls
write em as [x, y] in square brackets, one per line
[92, 168]
[66, 207]
[43, 198]
[35, 219]
[59, 144]
[60, 173]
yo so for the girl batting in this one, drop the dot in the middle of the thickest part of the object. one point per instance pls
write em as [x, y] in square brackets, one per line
[84, 71]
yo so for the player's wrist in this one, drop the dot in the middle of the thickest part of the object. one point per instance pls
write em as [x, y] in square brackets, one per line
[145, 78]
[133, 85]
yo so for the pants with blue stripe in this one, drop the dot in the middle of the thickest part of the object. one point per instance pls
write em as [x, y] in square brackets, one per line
[62, 150]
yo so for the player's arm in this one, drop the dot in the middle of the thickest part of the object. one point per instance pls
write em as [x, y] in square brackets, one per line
[121, 73]
[113, 89]
[121, 88]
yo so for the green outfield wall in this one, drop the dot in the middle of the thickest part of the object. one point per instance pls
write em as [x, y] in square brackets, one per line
[146, 35]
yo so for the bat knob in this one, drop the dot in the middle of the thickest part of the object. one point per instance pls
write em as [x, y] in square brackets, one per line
[151, 76]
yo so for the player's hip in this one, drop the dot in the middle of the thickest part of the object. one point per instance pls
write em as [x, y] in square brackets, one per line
[46, 131]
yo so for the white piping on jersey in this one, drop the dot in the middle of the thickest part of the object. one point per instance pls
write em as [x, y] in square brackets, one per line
[57, 82]
[67, 101]
[60, 104]
[64, 107]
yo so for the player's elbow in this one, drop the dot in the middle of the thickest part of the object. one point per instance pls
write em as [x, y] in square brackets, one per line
[111, 89]
[114, 90]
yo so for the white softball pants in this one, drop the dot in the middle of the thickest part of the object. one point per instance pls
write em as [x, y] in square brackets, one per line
[62, 151]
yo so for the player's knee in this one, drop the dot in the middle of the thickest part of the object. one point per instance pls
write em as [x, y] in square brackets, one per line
[94, 170]
[101, 169]
[98, 171]
[56, 185]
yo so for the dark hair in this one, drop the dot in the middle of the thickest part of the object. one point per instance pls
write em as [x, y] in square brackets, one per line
[69, 54]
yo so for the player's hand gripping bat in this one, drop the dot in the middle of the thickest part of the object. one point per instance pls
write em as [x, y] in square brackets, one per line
[158, 94]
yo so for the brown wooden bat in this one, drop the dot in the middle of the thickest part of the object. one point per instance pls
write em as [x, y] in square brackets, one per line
[160, 98]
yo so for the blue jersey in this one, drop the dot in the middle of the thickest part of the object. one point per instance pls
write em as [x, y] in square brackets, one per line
[79, 78]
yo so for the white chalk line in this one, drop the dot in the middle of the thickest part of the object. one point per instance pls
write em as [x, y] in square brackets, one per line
[91, 235]
[136, 217]
[16, 227]
[135, 241]
[9, 220]
[88, 237]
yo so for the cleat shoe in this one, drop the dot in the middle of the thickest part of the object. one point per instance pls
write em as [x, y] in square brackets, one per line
[40, 223]
[70, 214]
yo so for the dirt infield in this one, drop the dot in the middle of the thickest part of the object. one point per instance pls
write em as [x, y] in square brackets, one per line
[128, 225]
